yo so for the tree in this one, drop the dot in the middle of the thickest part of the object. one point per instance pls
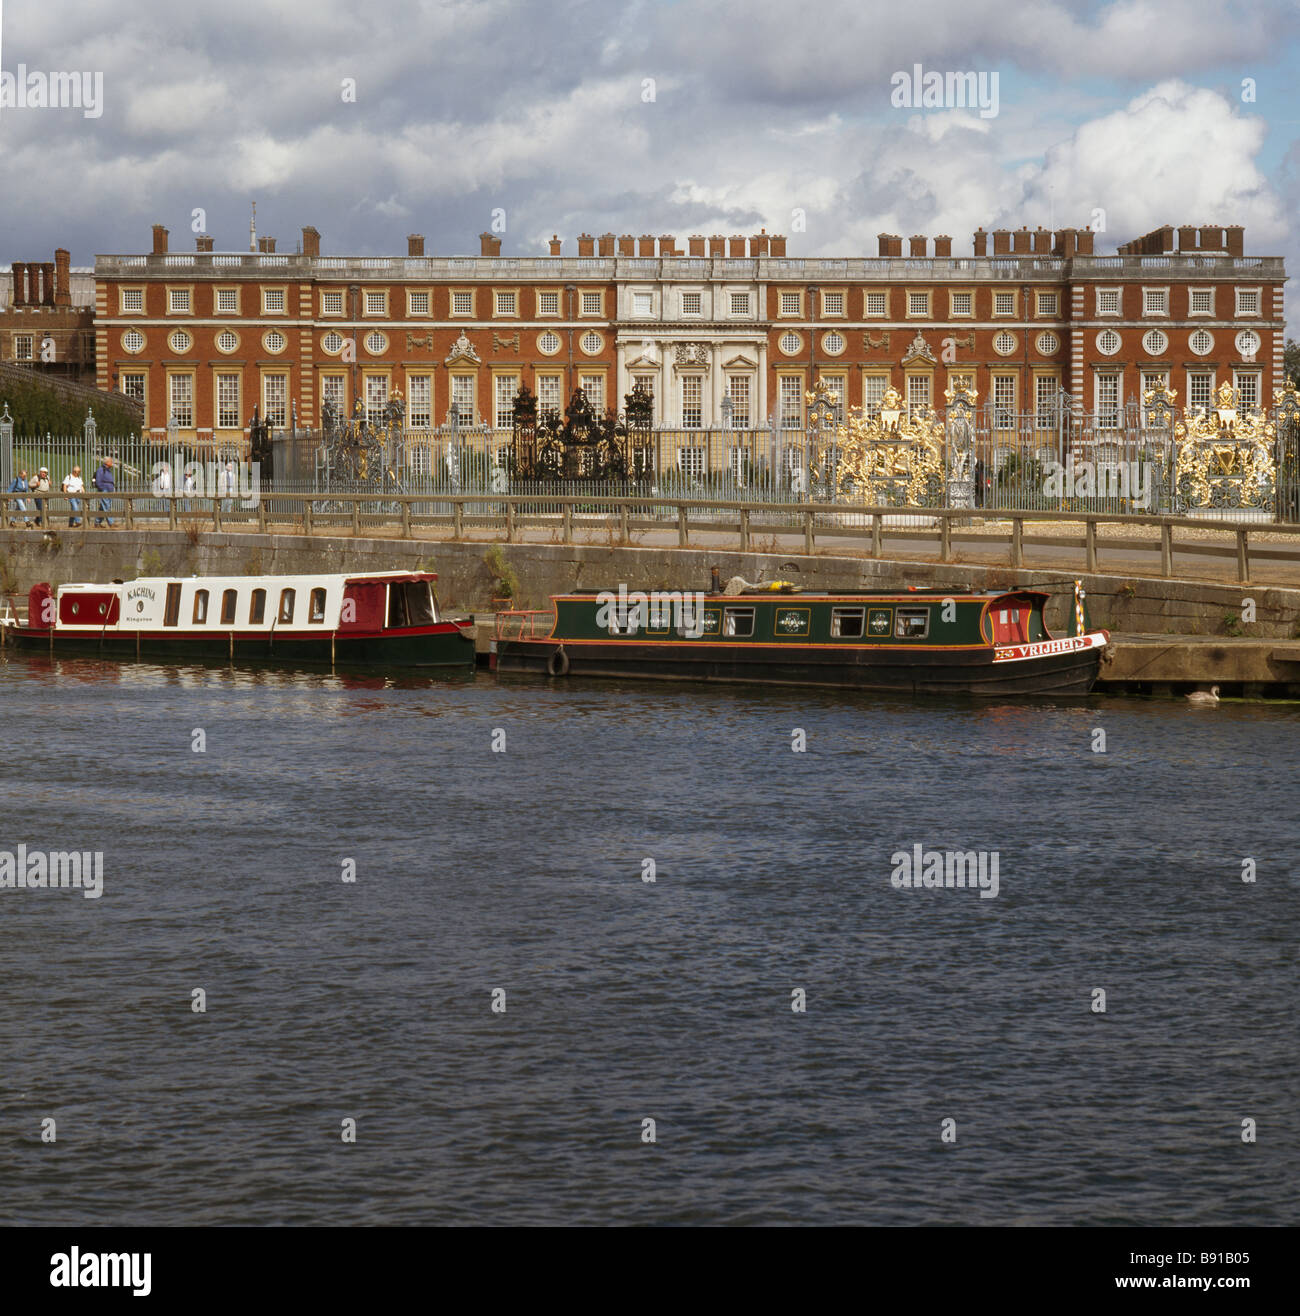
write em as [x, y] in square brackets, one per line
[1291, 362]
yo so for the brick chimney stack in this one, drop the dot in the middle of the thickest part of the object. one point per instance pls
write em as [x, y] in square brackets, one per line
[737, 246]
[916, 245]
[556, 244]
[645, 245]
[626, 245]
[696, 244]
[310, 241]
[607, 244]
[20, 284]
[586, 246]
[203, 242]
[414, 244]
[1235, 238]
[981, 242]
[47, 283]
[1042, 241]
[266, 245]
[758, 243]
[778, 245]
[1066, 243]
[943, 245]
[1002, 242]
[1187, 237]
[1085, 236]
[668, 244]
[62, 277]
[1021, 239]
[717, 245]
[159, 240]
[489, 246]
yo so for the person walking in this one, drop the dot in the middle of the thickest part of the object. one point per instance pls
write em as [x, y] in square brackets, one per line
[188, 488]
[72, 484]
[41, 484]
[104, 483]
[19, 505]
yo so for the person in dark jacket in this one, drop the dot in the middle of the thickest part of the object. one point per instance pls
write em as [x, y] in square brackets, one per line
[19, 485]
[103, 481]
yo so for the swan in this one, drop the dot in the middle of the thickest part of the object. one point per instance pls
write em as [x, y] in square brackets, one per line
[1203, 699]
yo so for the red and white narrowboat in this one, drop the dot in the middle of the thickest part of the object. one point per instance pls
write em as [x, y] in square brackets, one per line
[385, 618]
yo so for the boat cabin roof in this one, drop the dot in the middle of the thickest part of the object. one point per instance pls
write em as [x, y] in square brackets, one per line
[317, 580]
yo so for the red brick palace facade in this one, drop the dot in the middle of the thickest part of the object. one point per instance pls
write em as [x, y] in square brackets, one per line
[731, 328]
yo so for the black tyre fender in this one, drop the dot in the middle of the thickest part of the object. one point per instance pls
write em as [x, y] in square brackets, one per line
[558, 663]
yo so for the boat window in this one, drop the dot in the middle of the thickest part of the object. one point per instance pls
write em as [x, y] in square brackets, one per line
[228, 598]
[847, 623]
[912, 623]
[172, 611]
[257, 608]
[396, 606]
[738, 621]
[286, 606]
[419, 603]
[317, 606]
[200, 607]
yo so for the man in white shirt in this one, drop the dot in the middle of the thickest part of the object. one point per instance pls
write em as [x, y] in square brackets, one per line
[72, 485]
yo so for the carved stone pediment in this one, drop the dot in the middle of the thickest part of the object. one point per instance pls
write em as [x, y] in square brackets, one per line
[463, 350]
[695, 355]
[918, 351]
[740, 360]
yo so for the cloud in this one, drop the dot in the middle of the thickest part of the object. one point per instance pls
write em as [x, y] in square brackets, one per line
[471, 106]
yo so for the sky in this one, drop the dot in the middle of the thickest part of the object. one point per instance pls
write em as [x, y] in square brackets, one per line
[372, 121]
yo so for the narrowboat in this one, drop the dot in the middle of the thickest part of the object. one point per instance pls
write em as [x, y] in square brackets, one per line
[385, 618]
[915, 640]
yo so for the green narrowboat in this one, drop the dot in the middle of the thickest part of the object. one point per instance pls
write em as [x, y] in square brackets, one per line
[932, 640]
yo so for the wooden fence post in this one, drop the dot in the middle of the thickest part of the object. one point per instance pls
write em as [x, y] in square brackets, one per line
[1243, 555]
[1090, 551]
[1166, 550]
[1017, 546]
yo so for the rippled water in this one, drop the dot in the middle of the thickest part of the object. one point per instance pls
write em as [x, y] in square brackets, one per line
[628, 1000]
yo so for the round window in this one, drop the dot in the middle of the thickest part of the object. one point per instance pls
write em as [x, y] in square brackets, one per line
[227, 342]
[180, 341]
[1201, 343]
[548, 343]
[791, 343]
[133, 341]
[76, 608]
[1248, 342]
[1004, 343]
[332, 343]
[1048, 344]
[103, 609]
[833, 343]
[592, 343]
[274, 341]
[376, 343]
[1154, 342]
[1108, 342]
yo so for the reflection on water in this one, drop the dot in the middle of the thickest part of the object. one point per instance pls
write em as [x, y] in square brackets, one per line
[499, 833]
